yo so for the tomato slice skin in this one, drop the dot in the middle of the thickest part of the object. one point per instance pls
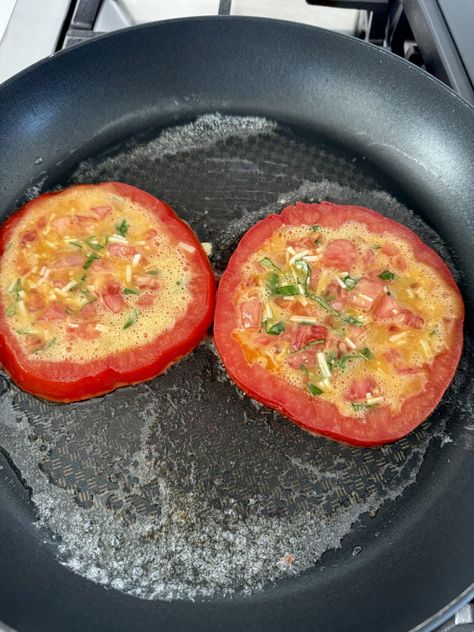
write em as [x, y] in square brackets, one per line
[67, 381]
[314, 414]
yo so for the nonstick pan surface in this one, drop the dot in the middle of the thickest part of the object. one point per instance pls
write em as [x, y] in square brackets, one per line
[185, 459]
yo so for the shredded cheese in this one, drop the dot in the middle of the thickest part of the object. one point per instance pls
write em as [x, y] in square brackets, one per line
[128, 273]
[304, 319]
[321, 282]
[117, 239]
[323, 365]
[398, 337]
[426, 349]
[136, 259]
[349, 343]
[268, 311]
[298, 255]
[186, 247]
[341, 283]
[374, 400]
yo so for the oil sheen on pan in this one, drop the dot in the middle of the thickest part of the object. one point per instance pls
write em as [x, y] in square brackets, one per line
[101, 286]
[341, 319]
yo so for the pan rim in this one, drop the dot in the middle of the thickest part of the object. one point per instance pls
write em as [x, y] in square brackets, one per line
[243, 18]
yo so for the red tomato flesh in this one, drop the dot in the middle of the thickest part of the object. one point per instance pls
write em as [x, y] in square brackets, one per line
[371, 425]
[69, 380]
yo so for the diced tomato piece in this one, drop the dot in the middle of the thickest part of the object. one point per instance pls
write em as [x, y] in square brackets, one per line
[86, 331]
[100, 265]
[41, 223]
[395, 358]
[113, 298]
[315, 274]
[29, 237]
[55, 311]
[390, 250]
[62, 224]
[251, 314]
[340, 254]
[387, 307]
[263, 339]
[400, 264]
[359, 388]
[302, 358]
[68, 261]
[305, 243]
[304, 334]
[368, 257]
[412, 320]
[121, 250]
[147, 281]
[85, 223]
[356, 334]
[85, 219]
[146, 300]
[365, 293]
[34, 301]
[34, 342]
[338, 304]
[102, 211]
[89, 311]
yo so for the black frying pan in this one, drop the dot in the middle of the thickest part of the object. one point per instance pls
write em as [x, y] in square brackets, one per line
[353, 121]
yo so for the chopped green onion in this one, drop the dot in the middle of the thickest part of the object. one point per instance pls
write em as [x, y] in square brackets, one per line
[268, 263]
[84, 277]
[73, 242]
[49, 344]
[331, 359]
[90, 259]
[93, 244]
[387, 275]
[130, 290]
[433, 332]
[350, 282]
[286, 290]
[132, 319]
[304, 369]
[321, 301]
[310, 344]
[273, 281]
[315, 228]
[364, 353]
[303, 267]
[376, 246]
[16, 288]
[122, 227]
[314, 390]
[275, 329]
[362, 406]
[351, 320]
[11, 310]
[25, 331]
[153, 272]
